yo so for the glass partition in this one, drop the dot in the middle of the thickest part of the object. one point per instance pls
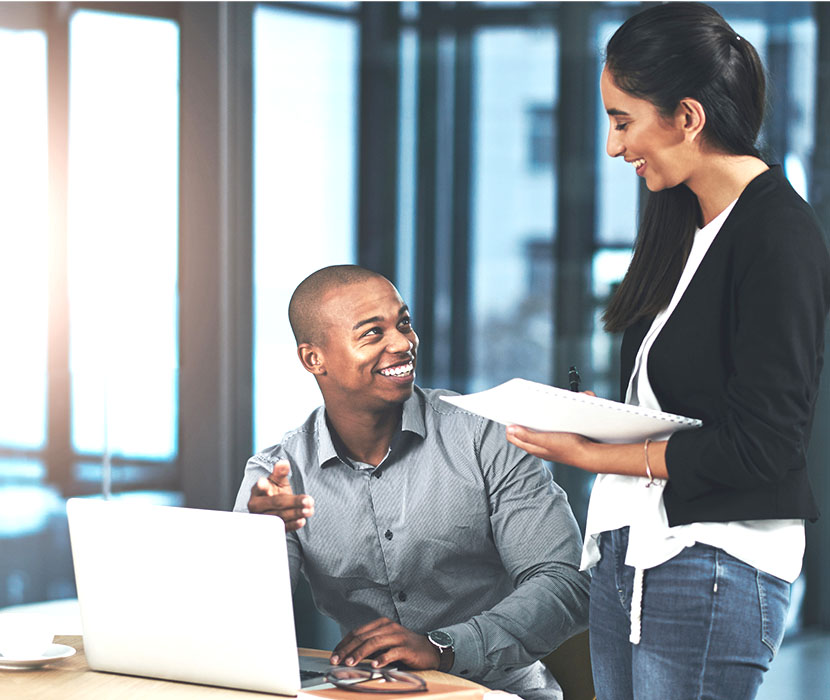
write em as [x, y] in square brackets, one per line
[121, 238]
[23, 241]
[27, 505]
[513, 206]
[123, 235]
[305, 83]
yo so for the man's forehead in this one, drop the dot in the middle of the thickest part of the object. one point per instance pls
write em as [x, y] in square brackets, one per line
[351, 303]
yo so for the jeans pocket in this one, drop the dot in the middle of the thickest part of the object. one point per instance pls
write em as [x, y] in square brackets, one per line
[774, 598]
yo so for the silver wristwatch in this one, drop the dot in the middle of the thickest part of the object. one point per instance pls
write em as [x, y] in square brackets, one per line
[444, 642]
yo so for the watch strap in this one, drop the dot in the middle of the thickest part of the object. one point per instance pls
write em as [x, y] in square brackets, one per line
[446, 657]
[444, 643]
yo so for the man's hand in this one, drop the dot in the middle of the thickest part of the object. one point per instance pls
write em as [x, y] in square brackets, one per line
[385, 642]
[273, 495]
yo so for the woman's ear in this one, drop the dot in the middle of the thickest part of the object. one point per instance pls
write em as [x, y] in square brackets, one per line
[691, 117]
[311, 357]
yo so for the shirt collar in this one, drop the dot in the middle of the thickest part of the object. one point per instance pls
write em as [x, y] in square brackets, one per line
[330, 449]
[327, 454]
[413, 414]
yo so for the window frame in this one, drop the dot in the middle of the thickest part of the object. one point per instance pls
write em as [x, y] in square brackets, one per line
[59, 458]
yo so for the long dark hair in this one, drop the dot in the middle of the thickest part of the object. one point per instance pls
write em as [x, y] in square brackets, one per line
[665, 54]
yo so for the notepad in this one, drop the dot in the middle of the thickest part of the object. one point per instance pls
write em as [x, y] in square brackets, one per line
[543, 407]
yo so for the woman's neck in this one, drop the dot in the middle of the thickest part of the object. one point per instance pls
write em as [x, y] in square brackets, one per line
[721, 179]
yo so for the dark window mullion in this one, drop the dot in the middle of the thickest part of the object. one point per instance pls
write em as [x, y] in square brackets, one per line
[161, 10]
[378, 137]
[460, 328]
[425, 212]
[574, 244]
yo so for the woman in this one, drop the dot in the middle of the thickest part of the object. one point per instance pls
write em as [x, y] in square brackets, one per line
[695, 539]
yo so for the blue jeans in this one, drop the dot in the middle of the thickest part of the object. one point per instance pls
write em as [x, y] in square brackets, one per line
[711, 625]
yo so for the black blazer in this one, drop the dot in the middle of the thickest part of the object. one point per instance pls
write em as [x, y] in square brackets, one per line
[743, 351]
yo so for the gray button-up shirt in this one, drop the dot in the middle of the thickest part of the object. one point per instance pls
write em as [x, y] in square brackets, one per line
[456, 530]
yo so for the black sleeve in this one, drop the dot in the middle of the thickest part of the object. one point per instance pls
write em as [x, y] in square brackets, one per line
[780, 298]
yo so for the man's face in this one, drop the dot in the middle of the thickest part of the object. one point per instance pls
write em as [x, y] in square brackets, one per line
[369, 347]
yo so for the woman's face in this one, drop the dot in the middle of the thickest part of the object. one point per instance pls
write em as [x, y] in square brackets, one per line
[656, 147]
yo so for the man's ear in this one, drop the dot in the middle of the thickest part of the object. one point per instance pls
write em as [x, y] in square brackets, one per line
[311, 357]
[691, 117]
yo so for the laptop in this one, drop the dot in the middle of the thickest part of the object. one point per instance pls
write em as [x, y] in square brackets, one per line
[188, 595]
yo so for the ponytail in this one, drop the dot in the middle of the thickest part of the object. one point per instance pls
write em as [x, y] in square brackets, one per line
[666, 233]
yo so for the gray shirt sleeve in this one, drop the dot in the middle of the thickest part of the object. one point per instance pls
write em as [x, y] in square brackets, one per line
[258, 466]
[539, 542]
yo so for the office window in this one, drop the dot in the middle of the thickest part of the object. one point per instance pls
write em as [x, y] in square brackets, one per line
[800, 112]
[513, 207]
[617, 203]
[304, 191]
[542, 141]
[118, 251]
[26, 505]
[785, 38]
[407, 175]
[123, 236]
[23, 242]
[617, 183]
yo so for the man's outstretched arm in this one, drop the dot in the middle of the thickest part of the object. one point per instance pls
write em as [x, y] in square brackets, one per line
[266, 489]
[272, 495]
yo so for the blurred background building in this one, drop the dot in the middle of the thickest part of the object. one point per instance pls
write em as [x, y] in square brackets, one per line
[170, 171]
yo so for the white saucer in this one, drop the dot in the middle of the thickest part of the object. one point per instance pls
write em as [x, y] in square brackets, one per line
[53, 653]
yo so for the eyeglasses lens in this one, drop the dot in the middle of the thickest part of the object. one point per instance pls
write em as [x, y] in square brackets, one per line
[375, 681]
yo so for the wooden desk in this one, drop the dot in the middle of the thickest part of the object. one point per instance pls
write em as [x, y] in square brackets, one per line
[72, 679]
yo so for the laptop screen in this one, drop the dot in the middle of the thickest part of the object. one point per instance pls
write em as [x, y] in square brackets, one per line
[185, 594]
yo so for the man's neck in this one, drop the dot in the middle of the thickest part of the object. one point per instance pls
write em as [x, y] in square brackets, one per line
[366, 435]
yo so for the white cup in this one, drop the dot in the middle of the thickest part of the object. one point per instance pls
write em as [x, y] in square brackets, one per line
[25, 635]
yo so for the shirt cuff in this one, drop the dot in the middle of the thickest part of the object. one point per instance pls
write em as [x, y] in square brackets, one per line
[467, 648]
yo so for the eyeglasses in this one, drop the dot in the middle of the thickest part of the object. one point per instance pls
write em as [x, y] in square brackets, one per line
[381, 680]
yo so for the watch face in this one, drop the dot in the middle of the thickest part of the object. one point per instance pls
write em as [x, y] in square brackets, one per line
[442, 639]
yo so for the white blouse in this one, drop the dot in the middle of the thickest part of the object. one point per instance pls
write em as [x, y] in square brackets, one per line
[773, 546]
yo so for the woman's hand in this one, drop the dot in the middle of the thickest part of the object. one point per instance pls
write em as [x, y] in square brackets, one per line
[593, 457]
[565, 448]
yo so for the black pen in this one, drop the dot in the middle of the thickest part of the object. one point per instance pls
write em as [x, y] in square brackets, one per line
[573, 378]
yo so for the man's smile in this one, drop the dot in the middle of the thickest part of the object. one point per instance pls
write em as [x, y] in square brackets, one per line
[402, 370]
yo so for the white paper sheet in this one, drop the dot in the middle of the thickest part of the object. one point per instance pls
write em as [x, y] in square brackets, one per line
[543, 407]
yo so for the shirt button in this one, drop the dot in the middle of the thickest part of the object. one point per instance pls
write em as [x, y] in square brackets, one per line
[388, 534]
[402, 596]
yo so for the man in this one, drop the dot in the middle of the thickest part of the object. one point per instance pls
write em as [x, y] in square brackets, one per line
[430, 539]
